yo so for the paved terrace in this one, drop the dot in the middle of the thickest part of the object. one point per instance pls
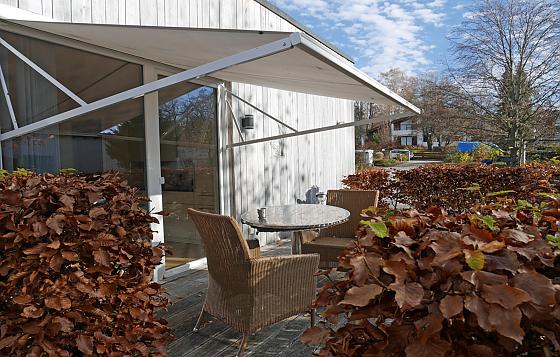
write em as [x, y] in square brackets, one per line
[217, 339]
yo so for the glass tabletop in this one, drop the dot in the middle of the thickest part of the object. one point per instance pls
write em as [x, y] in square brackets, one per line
[296, 217]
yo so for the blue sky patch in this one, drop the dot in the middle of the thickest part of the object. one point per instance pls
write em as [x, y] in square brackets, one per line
[381, 34]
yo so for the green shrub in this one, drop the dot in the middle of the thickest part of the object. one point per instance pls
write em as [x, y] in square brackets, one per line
[459, 158]
[485, 152]
[378, 156]
[76, 261]
[402, 157]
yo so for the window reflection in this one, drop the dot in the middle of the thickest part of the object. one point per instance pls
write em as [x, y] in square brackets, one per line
[107, 139]
[188, 149]
[90, 76]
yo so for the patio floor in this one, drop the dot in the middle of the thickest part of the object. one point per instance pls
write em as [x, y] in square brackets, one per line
[187, 291]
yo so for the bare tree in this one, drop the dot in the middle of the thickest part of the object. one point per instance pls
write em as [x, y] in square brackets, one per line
[399, 82]
[442, 117]
[507, 65]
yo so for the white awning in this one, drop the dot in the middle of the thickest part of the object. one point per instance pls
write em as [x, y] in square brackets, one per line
[305, 66]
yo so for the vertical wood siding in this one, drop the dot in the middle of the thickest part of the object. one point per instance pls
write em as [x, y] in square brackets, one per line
[272, 173]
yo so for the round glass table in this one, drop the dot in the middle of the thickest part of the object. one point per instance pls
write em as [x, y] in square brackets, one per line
[296, 218]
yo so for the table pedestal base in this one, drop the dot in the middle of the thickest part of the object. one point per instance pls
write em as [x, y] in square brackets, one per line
[296, 242]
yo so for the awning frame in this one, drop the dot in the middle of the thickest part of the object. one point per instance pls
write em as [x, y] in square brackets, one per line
[296, 39]
[295, 133]
[190, 74]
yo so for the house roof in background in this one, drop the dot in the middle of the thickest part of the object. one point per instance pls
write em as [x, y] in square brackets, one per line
[275, 9]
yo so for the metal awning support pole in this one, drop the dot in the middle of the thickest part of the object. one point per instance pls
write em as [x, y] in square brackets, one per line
[262, 111]
[43, 73]
[325, 128]
[235, 120]
[197, 72]
[8, 99]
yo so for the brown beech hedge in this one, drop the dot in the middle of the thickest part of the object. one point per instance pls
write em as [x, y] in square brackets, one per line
[453, 187]
[481, 283]
[75, 268]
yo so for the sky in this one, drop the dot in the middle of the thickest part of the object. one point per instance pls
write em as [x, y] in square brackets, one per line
[384, 34]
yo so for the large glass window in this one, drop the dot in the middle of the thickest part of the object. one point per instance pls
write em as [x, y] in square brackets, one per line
[5, 118]
[107, 139]
[88, 75]
[188, 146]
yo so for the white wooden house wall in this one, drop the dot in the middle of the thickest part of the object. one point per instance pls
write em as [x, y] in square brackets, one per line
[272, 173]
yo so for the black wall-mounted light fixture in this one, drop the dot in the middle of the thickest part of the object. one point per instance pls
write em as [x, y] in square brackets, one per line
[248, 122]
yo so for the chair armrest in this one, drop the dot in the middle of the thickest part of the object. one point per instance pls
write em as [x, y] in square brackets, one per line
[287, 281]
[254, 248]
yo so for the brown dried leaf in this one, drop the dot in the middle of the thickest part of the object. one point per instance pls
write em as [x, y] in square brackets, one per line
[506, 322]
[403, 240]
[102, 257]
[67, 201]
[23, 299]
[432, 348]
[39, 229]
[492, 247]
[97, 212]
[408, 295]
[505, 295]
[56, 223]
[430, 326]
[396, 268]
[85, 344]
[32, 312]
[9, 197]
[536, 248]
[70, 256]
[58, 303]
[537, 286]
[121, 232]
[481, 351]
[481, 309]
[361, 296]
[54, 244]
[37, 249]
[516, 235]
[56, 262]
[8, 341]
[446, 248]
[64, 324]
[315, 336]
[477, 278]
[451, 305]
[503, 260]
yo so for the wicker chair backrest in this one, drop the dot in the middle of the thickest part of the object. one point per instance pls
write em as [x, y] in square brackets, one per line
[223, 241]
[354, 201]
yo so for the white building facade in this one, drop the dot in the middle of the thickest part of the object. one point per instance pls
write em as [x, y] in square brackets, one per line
[173, 143]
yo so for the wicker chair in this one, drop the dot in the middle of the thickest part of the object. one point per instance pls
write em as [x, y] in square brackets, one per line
[246, 291]
[329, 242]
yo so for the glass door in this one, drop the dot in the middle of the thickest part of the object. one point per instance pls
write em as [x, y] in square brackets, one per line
[189, 165]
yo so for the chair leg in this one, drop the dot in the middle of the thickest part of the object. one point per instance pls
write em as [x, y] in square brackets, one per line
[200, 321]
[312, 313]
[243, 345]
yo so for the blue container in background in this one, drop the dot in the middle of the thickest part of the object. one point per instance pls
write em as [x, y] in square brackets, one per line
[467, 146]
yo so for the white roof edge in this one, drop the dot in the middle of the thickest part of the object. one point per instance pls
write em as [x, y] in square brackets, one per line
[298, 39]
[13, 13]
[312, 46]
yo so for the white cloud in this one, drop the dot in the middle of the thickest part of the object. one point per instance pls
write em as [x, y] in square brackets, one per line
[386, 34]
